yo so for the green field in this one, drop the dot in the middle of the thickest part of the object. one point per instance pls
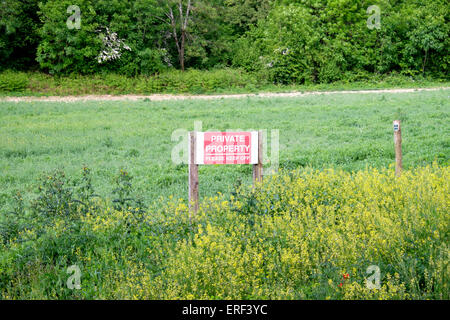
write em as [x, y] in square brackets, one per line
[342, 131]
[309, 233]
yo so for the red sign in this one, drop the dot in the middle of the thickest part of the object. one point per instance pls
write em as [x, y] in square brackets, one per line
[227, 148]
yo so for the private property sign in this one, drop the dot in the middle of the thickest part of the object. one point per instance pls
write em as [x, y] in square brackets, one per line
[223, 148]
[227, 148]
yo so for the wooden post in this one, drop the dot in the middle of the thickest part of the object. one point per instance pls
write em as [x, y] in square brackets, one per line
[193, 174]
[398, 148]
[258, 168]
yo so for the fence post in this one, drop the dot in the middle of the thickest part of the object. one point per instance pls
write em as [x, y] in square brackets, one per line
[258, 168]
[398, 148]
[193, 174]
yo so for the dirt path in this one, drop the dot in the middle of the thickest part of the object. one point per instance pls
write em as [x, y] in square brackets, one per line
[163, 97]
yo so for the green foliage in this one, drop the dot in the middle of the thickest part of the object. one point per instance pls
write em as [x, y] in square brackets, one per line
[55, 196]
[149, 61]
[124, 197]
[64, 51]
[144, 28]
[302, 234]
[283, 41]
[11, 224]
[142, 24]
[428, 45]
[241, 15]
[196, 81]
[19, 38]
[60, 196]
[326, 41]
[173, 81]
[13, 81]
[348, 131]
[320, 224]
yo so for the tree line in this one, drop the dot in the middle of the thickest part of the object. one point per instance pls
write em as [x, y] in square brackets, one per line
[283, 41]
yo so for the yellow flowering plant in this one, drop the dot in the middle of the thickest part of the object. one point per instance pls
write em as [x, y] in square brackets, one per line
[302, 234]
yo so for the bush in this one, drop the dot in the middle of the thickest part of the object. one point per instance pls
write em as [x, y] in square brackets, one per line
[19, 24]
[326, 41]
[191, 81]
[196, 81]
[11, 81]
[63, 51]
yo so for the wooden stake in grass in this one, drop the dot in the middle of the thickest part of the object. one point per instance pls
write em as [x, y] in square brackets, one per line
[258, 168]
[398, 148]
[193, 174]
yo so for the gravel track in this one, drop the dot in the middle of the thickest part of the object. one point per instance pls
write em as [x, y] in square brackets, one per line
[165, 97]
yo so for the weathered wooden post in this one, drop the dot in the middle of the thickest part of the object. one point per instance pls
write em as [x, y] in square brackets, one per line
[193, 173]
[258, 168]
[398, 148]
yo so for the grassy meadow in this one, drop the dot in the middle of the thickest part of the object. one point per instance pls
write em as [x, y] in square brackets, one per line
[340, 131]
[308, 233]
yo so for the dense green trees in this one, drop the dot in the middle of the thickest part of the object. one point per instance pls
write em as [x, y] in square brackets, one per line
[283, 41]
[327, 40]
[64, 50]
[160, 33]
[19, 25]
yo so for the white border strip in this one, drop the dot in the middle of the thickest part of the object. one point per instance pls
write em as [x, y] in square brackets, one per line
[200, 156]
[254, 148]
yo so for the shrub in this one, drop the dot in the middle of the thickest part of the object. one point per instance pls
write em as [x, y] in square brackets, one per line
[13, 81]
[19, 24]
[63, 51]
[325, 41]
[55, 196]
